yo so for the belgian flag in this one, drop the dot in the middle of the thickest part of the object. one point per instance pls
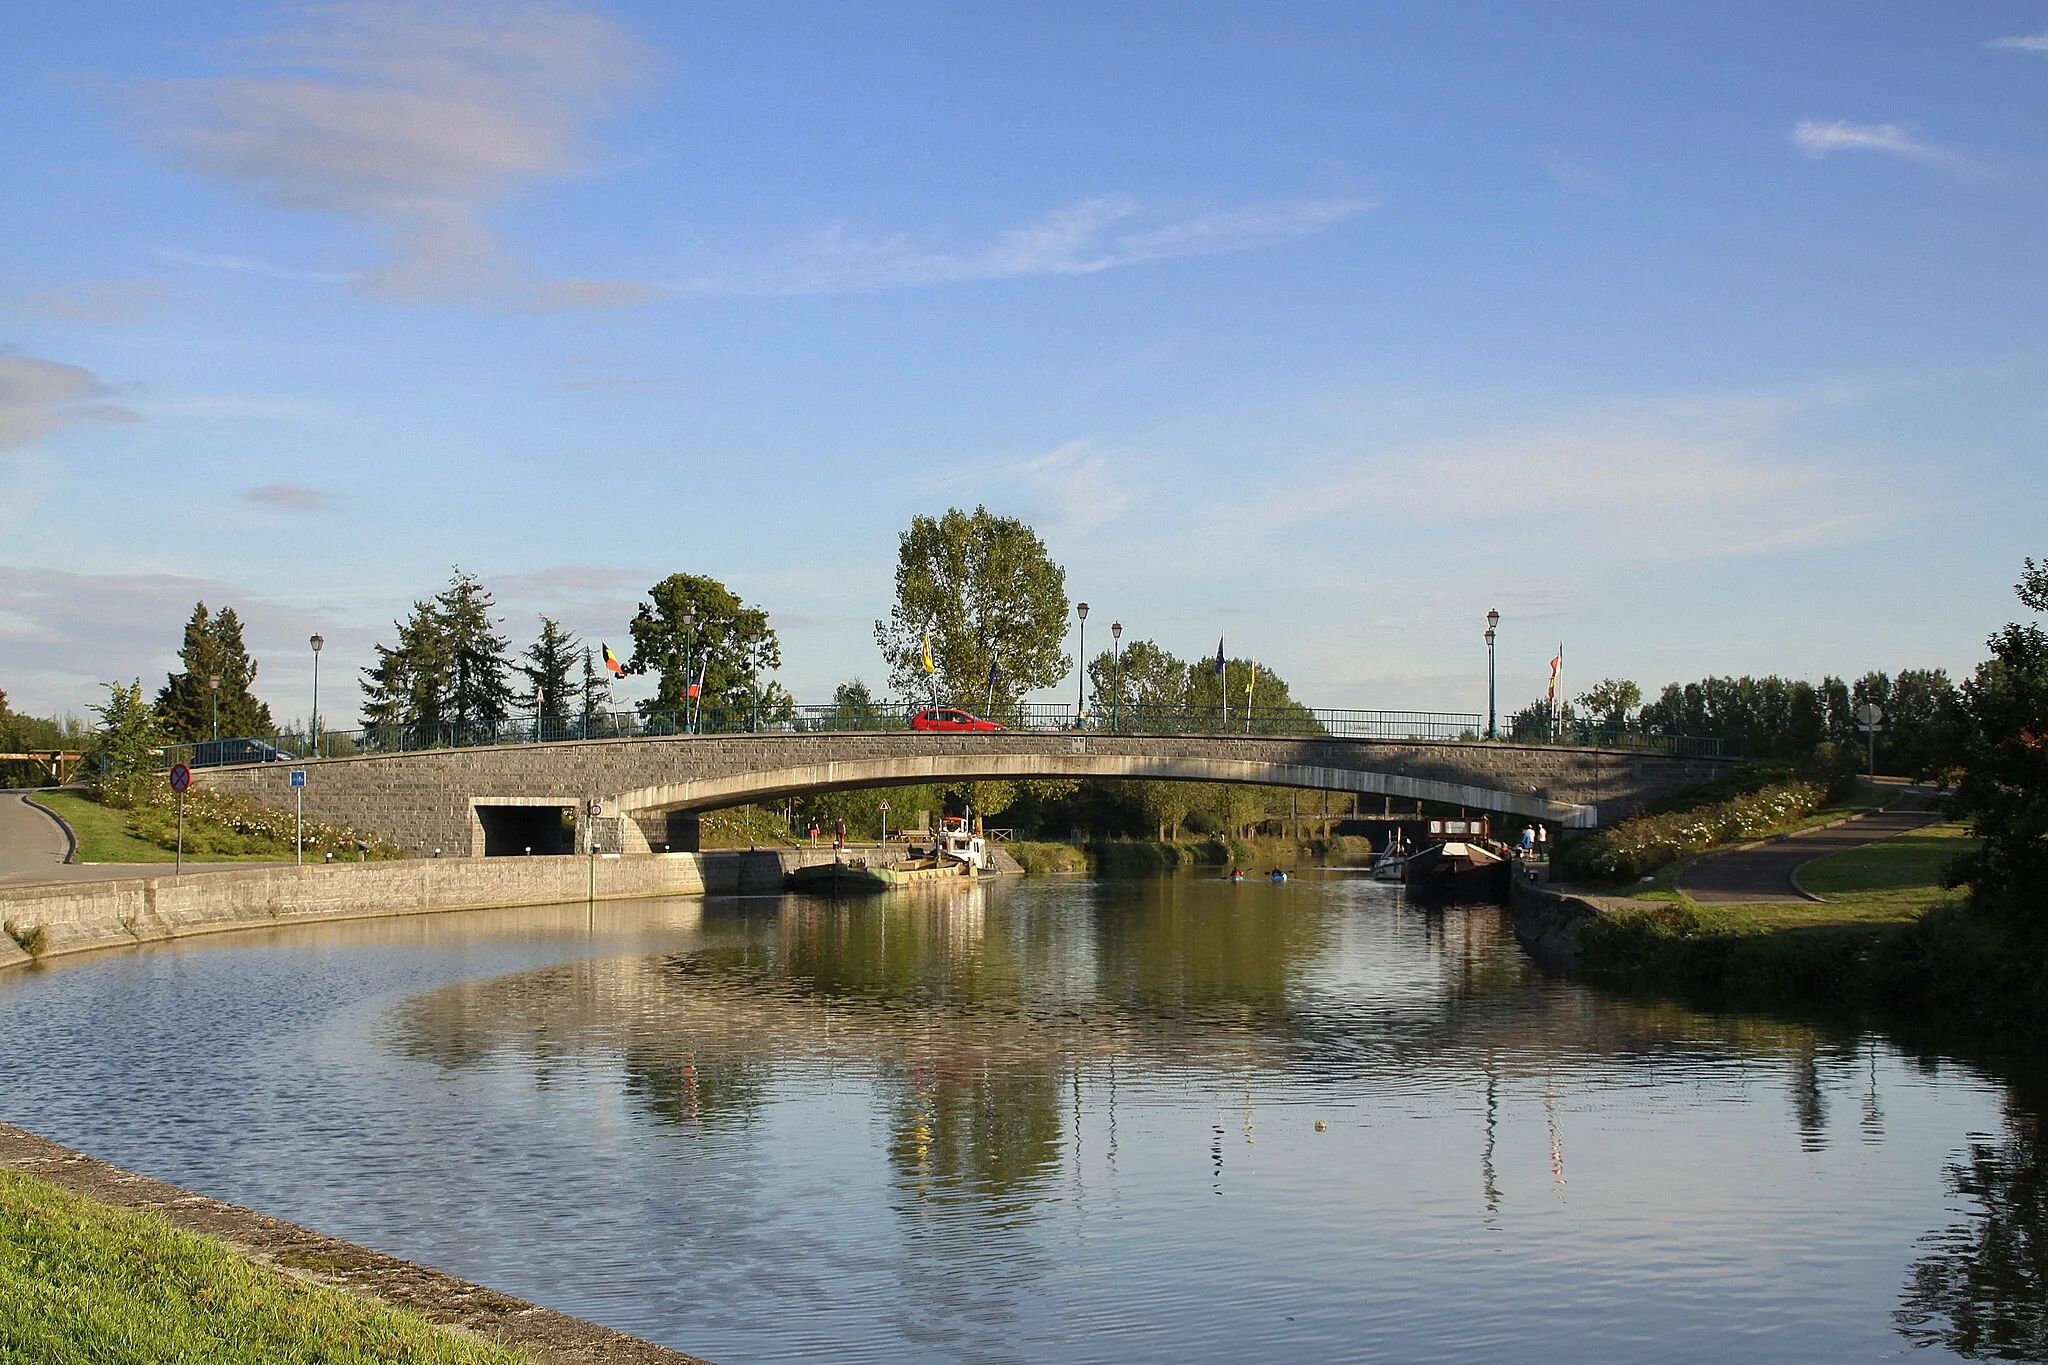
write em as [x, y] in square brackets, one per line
[611, 661]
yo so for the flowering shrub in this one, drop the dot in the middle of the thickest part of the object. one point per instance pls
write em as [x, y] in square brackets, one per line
[1641, 844]
[220, 822]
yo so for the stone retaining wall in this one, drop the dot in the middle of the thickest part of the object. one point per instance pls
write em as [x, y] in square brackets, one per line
[80, 916]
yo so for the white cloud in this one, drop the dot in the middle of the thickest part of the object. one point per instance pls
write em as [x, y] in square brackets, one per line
[1819, 138]
[1072, 487]
[415, 119]
[2022, 42]
[244, 265]
[40, 396]
[1095, 234]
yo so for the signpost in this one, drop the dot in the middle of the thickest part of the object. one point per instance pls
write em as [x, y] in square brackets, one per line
[1870, 719]
[299, 829]
[181, 778]
[884, 807]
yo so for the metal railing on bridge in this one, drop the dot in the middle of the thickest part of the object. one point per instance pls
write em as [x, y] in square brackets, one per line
[1302, 721]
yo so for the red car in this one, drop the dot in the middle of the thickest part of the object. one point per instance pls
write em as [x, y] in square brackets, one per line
[945, 718]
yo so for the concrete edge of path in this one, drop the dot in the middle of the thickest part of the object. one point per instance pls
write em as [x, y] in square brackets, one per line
[291, 1250]
[70, 834]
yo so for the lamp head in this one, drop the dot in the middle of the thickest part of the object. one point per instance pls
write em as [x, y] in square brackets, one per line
[1082, 608]
[215, 680]
[317, 641]
[1116, 630]
[1492, 619]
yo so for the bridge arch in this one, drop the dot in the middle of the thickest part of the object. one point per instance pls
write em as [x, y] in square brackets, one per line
[771, 784]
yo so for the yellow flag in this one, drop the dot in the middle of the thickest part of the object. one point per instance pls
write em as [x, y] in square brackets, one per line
[929, 666]
[1251, 682]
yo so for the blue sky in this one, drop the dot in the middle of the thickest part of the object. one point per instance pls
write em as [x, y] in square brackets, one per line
[1702, 341]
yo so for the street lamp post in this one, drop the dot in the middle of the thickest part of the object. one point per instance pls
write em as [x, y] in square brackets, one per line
[214, 679]
[314, 726]
[1081, 669]
[1116, 640]
[1492, 620]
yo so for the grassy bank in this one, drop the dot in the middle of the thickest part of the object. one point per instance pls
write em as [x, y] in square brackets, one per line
[82, 1281]
[219, 828]
[104, 837]
[1839, 950]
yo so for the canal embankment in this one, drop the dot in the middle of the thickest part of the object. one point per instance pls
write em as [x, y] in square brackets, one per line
[59, 918]
[1870, 928]
[100, 1263]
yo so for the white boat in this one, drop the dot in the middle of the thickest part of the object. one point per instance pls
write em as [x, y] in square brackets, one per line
[956, 841]
[1392, 864]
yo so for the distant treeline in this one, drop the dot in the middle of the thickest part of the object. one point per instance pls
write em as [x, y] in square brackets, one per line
[1787, 719]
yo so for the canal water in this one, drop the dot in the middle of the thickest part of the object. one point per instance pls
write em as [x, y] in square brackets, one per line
[1060, 1120]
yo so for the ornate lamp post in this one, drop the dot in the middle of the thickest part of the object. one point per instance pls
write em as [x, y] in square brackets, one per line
[1116, 674]
[1081, 669]
[318, 642]
[1492, 620]
[214, 680]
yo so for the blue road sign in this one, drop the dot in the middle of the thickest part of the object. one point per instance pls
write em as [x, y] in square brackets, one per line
[298, 777]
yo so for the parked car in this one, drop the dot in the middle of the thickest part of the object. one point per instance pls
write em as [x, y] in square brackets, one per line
[208, 753]
[946, 718]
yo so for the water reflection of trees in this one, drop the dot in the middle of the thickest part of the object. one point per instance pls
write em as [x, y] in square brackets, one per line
[1981, 1288]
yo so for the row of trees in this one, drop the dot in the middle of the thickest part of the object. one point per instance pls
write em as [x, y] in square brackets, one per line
[1780, 718]
[451, 666]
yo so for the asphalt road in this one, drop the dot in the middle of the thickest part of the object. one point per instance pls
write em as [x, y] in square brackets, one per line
[1763, 875]
[32, 844]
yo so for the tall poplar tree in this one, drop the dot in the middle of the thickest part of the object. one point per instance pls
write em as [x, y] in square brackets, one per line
[984, 591]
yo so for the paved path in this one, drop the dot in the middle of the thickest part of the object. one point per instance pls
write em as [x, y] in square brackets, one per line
[32, 844]
[1763, 875]
[32, 847]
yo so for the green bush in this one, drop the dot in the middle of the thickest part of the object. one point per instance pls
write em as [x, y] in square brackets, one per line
[1042, 859]
[1645, 842]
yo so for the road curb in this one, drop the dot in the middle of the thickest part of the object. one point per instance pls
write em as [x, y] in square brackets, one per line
[70, 834]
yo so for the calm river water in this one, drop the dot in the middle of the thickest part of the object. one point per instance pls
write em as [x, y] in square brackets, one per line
[1059, 1120]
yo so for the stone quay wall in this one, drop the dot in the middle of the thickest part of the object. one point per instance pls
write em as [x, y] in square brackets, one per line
[77, 917]
[430, 799]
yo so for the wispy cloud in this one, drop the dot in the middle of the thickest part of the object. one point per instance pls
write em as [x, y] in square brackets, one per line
[1824, 137]
[1073, 486]
[1099, 233]
[89, 301]
[40, 396]
[414, 119]
[2022, 42]
[284, 497]
[244, 265]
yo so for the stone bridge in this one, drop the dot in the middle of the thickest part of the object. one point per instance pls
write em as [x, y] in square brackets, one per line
[507, 799]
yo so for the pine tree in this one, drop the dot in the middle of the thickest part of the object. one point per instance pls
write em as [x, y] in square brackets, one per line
[479, 692]
[550, 661]
[449, 666]
[211, 696]
[408, 685]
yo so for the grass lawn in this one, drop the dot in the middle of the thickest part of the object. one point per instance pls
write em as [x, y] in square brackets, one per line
[103, 835]
[1894, 881]
[80, 1281]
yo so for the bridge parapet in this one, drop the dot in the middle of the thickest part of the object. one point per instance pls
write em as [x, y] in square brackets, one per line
[442, 799]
